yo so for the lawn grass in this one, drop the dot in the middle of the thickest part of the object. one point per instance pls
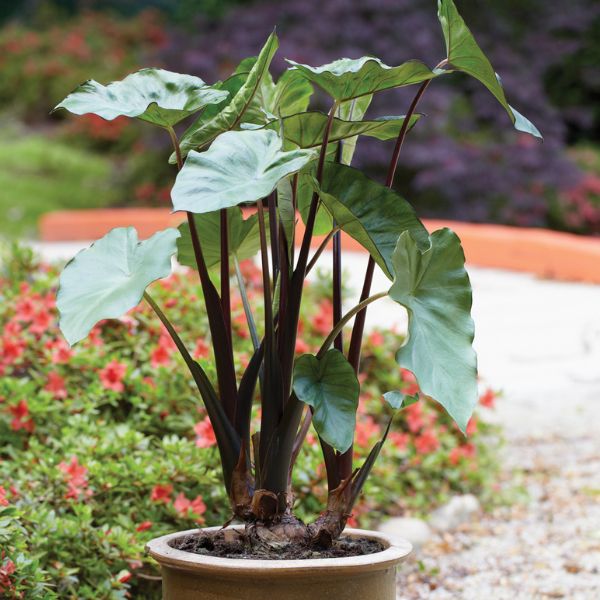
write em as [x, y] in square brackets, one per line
[41, 174]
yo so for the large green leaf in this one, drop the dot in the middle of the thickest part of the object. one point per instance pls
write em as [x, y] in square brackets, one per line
[304, 193]
[202, 131]
[154, 95]
[240, 166]
[243, 237]
[306, 130]
[347, 78]
[109, 278]
[352, 110]
[434, 287]
[330, 386]
[464, 54]
[371, 213]
[290, 95]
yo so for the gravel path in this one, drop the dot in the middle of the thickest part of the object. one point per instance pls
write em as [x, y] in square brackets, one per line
[548, 547]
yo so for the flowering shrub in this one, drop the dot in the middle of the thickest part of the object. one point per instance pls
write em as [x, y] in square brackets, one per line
[105, 446]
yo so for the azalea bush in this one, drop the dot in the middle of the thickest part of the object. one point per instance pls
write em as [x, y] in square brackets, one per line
[105, 445]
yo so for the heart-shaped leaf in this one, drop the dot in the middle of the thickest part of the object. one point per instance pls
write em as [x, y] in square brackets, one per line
[434, 287]
[464, 54]
[109, 278]
[330, 386]
[202, 132]
[352, 110]
[154, 95]
[240, 166]
[243, 237]
[369, 212]
[306, 130]
[399, 400]
[347, 78]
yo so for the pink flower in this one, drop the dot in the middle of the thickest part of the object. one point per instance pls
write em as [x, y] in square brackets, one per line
[366, 430]
[471, 426]
[205, 434]
[61, 353]
[161, 493]
[414, 417]
[25, 309]
[160, 356]
[426, 443]
[399, 440]
[301, 347]
[6, 570]
[112, 376]
[323, 321]
[376, 339]
[184, 507]
[41, 322]
[460, 452]
[411, 387]
[76, 478]
[56, 385]
[3, 500]
[202, 349]
[124, 576]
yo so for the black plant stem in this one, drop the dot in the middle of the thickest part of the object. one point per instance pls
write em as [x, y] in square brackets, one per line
[359, 323]
[225, 284]
[274, 233]
[223, 349]
[337, 272]
[295, 296]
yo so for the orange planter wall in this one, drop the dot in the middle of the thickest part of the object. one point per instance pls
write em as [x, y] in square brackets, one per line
[545, 253]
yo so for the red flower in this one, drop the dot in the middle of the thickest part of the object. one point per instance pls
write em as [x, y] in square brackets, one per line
[144, 525]
[160, 356]
[301, 347]
[6, 570]
[184, 506]
[202, 349]
[3, 500]
[376, 339]
[414, 417]
[76, 478]
[41, 322]
[25, 309]
[460, 452]
[488, 398]
[10, 350]
[56, 385]
[323, 321]
[124, 576]
[112, 376]
[61, 353]
[399, 440]
[20, 412]
[161, 493]
[426, 443]
[366, 429]
[205, 434]
[471, 426]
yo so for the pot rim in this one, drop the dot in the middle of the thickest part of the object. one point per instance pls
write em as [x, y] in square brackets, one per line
[394, 551]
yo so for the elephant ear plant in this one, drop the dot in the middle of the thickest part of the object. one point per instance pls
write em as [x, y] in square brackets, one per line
[255, 142]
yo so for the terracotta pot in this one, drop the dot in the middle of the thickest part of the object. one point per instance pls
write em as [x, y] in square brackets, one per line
[188, 576]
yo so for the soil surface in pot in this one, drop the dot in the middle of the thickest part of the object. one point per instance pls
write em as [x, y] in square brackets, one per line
[229, 543]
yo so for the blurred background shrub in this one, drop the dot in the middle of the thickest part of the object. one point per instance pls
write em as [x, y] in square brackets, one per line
[463, 161]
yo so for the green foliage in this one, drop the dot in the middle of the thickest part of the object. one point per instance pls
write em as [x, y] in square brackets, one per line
[240, 166]
[153, 95]
[329, 385]
[203, 130]
[109, 278]
[38, 176]
[435, 289]
[346, 79]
